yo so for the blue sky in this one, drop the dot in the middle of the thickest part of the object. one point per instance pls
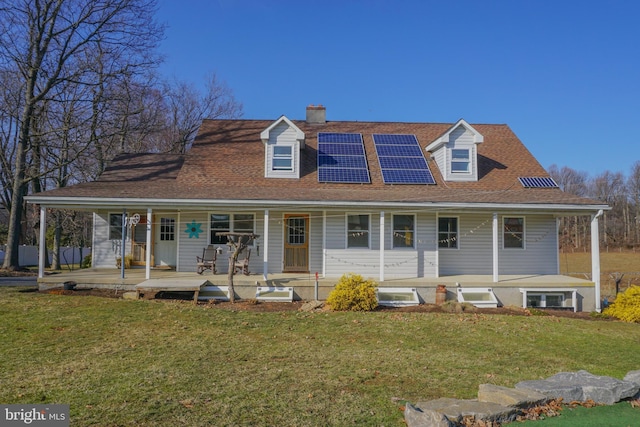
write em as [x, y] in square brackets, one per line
[564, 75]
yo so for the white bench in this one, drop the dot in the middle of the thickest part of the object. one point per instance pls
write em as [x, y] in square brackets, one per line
[274, 293]
[479, 297]
[397, 297]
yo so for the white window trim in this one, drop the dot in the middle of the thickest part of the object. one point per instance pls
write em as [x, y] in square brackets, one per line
[346, 234]
[414, 231]
[543, 299]
[231, 221]
[289, 157]
[524, 233]
[459, 243]
[469, 170]
[109, 227]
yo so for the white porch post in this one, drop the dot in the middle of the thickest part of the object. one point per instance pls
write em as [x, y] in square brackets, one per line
[595, 257]
[265, 247]
[496, 278]
[43, 237]
[381, 246]
[147, 260]
[324, 243]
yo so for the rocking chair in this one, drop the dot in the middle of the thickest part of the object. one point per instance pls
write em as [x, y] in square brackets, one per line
[243, 264]
[207, 261]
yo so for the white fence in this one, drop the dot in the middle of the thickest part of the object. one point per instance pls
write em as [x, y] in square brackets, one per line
[28, 255]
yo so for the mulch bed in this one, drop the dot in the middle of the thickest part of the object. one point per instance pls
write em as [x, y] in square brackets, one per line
[266, 306]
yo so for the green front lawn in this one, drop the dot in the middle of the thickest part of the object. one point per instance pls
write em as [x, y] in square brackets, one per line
[156, 363]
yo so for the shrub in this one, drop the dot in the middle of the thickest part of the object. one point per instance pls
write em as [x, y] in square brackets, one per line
[626, 307]
[353, 293]
[86, 262]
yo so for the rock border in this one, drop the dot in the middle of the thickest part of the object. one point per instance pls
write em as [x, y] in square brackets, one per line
[497, 404]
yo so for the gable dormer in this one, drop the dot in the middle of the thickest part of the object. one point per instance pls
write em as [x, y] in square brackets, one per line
[283, 141]
[456, 152]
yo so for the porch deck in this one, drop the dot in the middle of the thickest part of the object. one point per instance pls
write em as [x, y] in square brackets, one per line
[507, 289]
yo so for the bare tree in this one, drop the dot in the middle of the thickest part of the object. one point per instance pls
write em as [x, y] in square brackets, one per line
[187, 107]
[48, 43]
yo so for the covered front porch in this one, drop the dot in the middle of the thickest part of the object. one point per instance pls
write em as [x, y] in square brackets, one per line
[508, 288]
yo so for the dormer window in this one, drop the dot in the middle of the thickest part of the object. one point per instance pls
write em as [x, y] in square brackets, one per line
[283, 141]
[282, 158]
[460, 160]
[456, 152]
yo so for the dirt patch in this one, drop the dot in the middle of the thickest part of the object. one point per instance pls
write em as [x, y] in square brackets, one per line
[266, 306]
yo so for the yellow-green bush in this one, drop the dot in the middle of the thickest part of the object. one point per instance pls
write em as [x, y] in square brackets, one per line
[626, 307]
[353, 293]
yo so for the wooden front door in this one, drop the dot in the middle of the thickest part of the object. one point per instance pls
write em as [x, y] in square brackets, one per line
[296, 244]
[139, 242]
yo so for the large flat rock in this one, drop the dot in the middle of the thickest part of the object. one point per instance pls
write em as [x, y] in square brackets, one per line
[518, 398]
[456, 409]
[582, 386]
[415, 417]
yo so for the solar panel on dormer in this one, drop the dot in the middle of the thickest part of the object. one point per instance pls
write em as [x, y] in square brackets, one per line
[341, 158]
[401, 159]
[538, 182]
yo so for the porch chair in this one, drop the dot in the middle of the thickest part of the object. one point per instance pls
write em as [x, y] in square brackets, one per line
[243, 264]
[207, 261]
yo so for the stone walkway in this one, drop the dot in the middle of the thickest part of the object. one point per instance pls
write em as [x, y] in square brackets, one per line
[503, 404]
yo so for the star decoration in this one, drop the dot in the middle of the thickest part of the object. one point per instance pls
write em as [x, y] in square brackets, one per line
[194, 229]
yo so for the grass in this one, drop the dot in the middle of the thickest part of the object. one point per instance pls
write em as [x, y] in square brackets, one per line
[579, 264]
[619, 415]
[157, 363]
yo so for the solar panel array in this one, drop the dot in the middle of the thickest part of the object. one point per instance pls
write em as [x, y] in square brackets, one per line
[341, 158]
[401, 159]
[538, 182]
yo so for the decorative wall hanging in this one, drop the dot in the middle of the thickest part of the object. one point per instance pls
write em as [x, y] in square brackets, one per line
[194, 229]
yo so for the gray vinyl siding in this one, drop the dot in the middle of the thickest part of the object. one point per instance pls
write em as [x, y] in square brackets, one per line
[475, 247]
[282, 134]
[276, 242]
[474, 253]
[540, 255]
[104, 251]
[339, 258]
[190, 248]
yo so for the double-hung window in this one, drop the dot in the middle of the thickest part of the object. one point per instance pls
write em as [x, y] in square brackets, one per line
[357, 231]
[513, 232]
[447, 232]
[403, 231]
[282, 158]
[115, 226]
[460, 160]
[224, 223]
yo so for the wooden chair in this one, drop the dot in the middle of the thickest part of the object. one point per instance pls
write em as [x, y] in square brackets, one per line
[243, 264]
[207, 261]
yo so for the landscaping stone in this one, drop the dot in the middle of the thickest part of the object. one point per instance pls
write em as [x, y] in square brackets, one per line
[311, 305]
[582, 386]
[456, 409]
[415, 417]
[130, 295]
[634, 377]
[518, 398]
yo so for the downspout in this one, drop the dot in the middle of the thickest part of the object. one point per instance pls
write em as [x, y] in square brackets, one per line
[595, 257]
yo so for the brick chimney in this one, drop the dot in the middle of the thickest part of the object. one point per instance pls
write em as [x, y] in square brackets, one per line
[316, 114]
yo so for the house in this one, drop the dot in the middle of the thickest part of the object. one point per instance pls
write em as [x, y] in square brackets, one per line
[408, 204]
